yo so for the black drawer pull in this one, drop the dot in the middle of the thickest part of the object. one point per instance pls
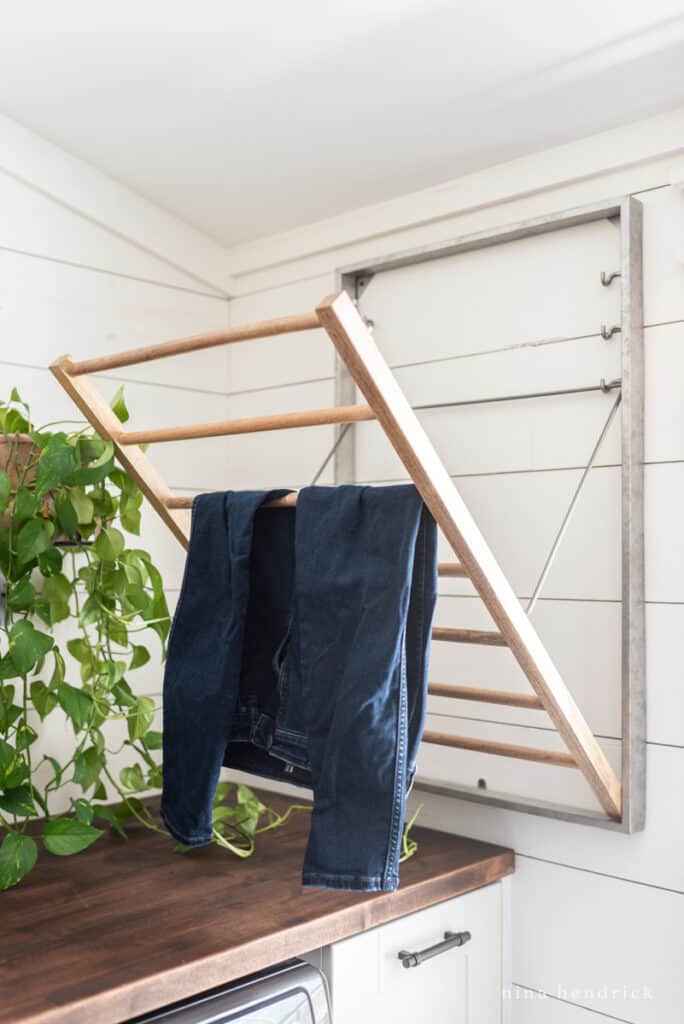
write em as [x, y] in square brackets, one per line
[451, 941]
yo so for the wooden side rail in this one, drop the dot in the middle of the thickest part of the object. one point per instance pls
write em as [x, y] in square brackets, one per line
[468, 636]
[513, 700]
[250, 425]
[249, 332]
[445, 739]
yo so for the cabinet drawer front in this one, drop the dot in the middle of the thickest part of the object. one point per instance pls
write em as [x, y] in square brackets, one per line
[461, 984]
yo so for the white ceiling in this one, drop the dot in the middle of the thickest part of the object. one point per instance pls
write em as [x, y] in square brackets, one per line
[249, 118]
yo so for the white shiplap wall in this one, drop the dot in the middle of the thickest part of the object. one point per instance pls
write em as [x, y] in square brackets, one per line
[78, 275]
[596, 915]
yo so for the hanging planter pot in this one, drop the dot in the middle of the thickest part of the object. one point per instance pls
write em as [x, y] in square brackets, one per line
[19, 458]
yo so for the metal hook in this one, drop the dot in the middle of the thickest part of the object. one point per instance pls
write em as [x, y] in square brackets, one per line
[370, 324]
[607, 278]
[608, 332]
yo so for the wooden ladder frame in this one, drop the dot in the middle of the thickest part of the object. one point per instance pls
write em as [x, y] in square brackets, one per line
[387, 404]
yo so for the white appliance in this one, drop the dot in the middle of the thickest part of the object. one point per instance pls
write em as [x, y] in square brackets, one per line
[292, 993]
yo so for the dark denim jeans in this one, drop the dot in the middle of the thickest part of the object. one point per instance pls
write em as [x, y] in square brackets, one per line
[299, 653]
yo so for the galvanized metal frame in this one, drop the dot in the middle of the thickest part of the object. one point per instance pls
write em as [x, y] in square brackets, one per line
[626, 213]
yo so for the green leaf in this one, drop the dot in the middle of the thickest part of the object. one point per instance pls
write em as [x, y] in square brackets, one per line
[40, 437]
[27, 645]
[58, 671]
[22, 595]
[90, 448]
[58, 612]
[26, 504]
[57, 461]
[137, 600]
[109, 544]
[9, 711]
[18, 854]
[116, 670]
[5, 490]
[118, 405]
[67, 516]
[41, 610]
[129, 511]
[57, 592]
[34, 537]
[110, 816]
[132, 778]
[57, 769]
[132, 572]
[123, 694]
[75, 703]
[251, 806]
[153, 740]
[222, 812]
[141, 717]
[13, 768]
[118, 633]
[141, 656]
[7, 668]
[123, 481]
[64, 836]
[50, 561]
[85, 510]
[128, 808]
[14, 423]
[159, 608]
[97, 470]
[26, 735]
[87, 768]
[222, 791]
[105, 503]
[18, 801]
[43, 699]
[83, 810]
[79, 650]
[90, 612]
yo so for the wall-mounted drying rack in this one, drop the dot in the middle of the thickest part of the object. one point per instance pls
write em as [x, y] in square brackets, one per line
[386, 403]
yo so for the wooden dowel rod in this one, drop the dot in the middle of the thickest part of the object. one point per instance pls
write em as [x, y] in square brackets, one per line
[468, 636]
[264, 329]
[451, 569]
[250, 425]
[513, 700]
[445, 739]
[288, 501]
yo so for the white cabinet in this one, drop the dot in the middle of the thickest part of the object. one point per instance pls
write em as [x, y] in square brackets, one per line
[461, 985]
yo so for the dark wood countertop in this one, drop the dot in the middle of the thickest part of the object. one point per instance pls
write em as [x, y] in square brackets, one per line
[126, 927]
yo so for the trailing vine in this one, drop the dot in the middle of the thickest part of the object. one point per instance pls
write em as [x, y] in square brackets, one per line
[78, 605]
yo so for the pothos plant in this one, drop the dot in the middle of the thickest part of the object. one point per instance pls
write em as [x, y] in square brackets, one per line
[67, 570]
